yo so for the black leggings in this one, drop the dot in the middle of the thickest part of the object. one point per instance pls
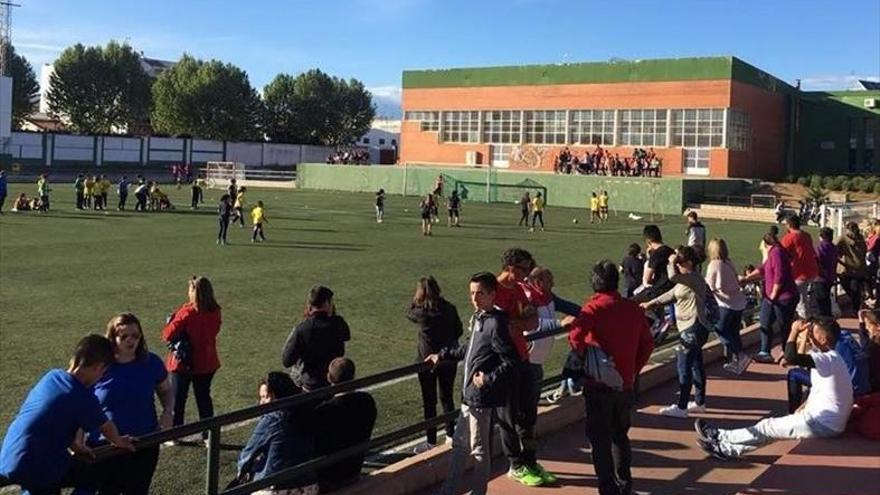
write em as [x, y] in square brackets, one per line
[853, 288]
[224, 228]
[444, 376]
[524, 217]
[538, 216]
[201, 389]
[128, 474]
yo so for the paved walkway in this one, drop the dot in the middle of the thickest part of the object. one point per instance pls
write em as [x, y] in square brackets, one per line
[666, 459]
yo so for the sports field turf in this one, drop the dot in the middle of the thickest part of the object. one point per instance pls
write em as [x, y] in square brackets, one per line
[66, 273]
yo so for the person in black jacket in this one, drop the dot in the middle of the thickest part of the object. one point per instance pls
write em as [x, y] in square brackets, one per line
[224, 212]
[439, 327]
[316, 341]
[489, 362]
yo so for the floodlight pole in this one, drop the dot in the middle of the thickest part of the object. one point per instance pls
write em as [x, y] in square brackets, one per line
[6, 36]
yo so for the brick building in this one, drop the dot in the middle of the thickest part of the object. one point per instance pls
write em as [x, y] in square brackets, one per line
[716, 116]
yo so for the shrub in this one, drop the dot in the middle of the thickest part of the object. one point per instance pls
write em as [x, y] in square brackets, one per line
[803, 181]
[827, 182]
[869, 184]
[855, 184]
[877, 188]
[815, 182]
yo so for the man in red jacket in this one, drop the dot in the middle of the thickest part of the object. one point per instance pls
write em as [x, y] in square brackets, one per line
[618, 328]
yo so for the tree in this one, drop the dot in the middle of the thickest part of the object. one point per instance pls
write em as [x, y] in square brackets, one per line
[24, 86]
[314, 108]
[211, 100]
[99, 89]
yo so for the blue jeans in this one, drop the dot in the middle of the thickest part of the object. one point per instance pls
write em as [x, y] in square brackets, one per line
[779, 312]
[689, 363]
[727, 328]
[798, 378]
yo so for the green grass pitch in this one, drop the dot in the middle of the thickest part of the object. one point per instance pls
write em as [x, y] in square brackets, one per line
[64, 274]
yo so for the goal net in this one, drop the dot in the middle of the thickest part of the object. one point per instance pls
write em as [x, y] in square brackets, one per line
[218, 174]
[498, 193]
[837, 215]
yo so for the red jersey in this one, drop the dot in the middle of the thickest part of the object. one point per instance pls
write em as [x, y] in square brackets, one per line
[799, 246]
[513, 301]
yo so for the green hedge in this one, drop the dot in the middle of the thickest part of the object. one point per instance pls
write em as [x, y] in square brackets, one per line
[868, 184]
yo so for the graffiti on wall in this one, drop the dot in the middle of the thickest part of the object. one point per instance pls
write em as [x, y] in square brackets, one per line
[528, 156]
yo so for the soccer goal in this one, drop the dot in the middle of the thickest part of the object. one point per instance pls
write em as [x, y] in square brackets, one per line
[837, 215]
[218, 174]
[498, 193]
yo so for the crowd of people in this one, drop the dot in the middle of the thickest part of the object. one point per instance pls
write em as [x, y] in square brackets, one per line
[354, 156]
[509, 336]
[600, 161]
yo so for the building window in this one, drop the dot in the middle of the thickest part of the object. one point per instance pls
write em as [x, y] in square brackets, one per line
[870, 129]
[502, 126]
[641, 128]
[592, 127]
[853, 144]
[430, 121]
[381, 141]
[739, 131]
[461, 127]
[545, 126]
[696, 161]
[393, 142]
[366, 140]
[698, 127]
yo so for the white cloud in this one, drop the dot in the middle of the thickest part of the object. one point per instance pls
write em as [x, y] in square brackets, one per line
[387, 100]
[832, 82]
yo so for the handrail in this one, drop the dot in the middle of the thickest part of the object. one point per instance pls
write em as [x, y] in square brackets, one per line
[213, 424]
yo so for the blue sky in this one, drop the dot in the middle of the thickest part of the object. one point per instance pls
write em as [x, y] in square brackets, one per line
[825, 43]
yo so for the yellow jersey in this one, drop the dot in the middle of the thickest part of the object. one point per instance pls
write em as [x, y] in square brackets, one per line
[257, 215]
[538, 204]
[603, 201]
[594, 204]
[239, 201]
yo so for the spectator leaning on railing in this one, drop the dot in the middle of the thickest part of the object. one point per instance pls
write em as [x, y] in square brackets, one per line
[439, 327]
[35, 453]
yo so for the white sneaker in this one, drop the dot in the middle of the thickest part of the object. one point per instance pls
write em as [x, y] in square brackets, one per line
[673, 411]
[448, 441]
[693, 407]
[423, 447]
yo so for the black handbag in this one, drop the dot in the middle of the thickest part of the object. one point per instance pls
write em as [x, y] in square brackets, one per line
[181, 349]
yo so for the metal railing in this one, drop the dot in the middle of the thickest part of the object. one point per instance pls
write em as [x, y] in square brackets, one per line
[214, 424]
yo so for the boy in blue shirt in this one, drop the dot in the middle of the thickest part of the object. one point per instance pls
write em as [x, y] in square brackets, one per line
[35, 452]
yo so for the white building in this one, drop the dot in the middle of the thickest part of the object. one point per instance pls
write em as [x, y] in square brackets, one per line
[383, 141]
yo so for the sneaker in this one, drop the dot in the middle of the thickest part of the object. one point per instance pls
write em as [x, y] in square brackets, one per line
[706, 432]
[742, 364]
[693, 407]
[547, 477]
[423, 447]
[764, 357]
[673, 411]
[732, 365]
[525, 476]
[712, 448]
[448, 440]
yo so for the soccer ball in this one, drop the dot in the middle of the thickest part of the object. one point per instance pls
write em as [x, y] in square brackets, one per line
[406, 210]
[574, 220]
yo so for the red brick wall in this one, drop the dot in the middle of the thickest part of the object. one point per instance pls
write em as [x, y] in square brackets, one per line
[767, 114]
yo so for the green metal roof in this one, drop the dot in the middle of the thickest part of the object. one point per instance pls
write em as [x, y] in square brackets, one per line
[676, 69]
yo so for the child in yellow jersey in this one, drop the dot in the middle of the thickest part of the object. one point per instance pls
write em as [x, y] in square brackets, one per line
[603, 206]
[237, 214]
[88, 190]
[103, 188]
[594, 209]
[258, 215]
[537, 211]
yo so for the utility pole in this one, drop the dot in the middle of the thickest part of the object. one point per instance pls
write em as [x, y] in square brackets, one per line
[5, 77]
[6, 36]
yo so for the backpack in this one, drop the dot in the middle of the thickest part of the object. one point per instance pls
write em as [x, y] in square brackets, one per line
[595, 366]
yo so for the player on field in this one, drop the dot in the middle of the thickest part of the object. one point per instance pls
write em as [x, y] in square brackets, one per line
[380, 206]
[258, 215]
[603, 206]
[454, 206]
[426, 206]
[537, 212]
[524, 202]
[594, 209]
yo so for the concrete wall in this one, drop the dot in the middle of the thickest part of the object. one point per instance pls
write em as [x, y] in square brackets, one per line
[661, 196]
[47, 149]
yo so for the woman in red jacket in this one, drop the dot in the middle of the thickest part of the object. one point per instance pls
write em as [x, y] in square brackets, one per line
[198, 321]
